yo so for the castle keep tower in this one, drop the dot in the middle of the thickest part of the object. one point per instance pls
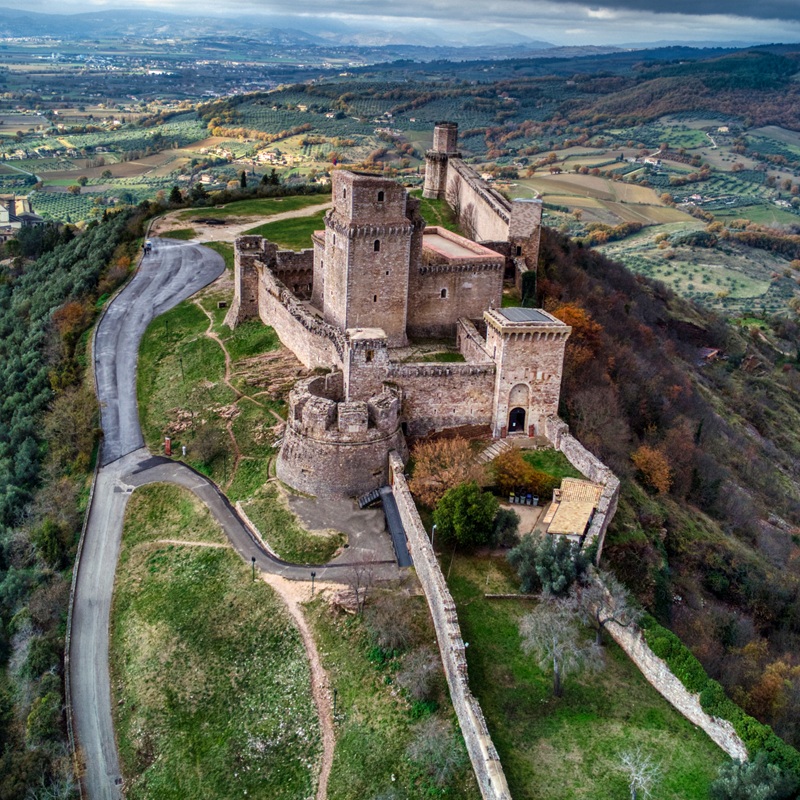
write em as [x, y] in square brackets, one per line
[368, 242]
[445, 146]
[527, 345]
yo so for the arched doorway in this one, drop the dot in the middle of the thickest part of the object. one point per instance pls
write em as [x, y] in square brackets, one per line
[516, 420]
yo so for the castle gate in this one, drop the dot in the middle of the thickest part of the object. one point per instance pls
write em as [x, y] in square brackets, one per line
[516, 420]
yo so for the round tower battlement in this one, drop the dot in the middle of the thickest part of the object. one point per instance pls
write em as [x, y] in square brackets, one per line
[338, 448]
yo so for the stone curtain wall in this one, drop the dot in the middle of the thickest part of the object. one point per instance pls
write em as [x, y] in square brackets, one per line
[674, 692]
[557, 432]
[487, 212]
[482, 753]
[471, 344]
[437, 396]
[314, 342]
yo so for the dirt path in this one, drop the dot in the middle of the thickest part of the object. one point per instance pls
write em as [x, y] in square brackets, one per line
[293, 593]
[229, 231]
[194, 544]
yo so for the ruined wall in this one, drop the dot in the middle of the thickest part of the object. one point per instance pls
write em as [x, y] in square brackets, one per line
[438, 396]
[485, 213]
[469, 290]
[470, 343]
[557, 432]
[296, 271]
[677, 695]
[315, 343]
[482, 753]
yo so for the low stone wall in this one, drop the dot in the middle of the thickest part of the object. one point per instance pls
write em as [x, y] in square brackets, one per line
[674, 692]
[314, 342]
[482, 753]
[557, 432]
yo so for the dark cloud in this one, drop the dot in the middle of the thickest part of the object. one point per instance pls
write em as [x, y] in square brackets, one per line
[767, 9]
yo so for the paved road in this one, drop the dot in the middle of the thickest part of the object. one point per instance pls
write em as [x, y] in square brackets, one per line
[171, 274]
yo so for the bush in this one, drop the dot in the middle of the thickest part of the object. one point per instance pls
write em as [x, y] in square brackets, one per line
[506, 527]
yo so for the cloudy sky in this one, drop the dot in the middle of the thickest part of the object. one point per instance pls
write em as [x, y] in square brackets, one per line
[612, 22]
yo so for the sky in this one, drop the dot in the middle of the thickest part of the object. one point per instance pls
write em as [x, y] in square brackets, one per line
[564, 23]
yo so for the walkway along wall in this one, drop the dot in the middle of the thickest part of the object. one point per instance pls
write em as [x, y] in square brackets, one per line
[482, 753]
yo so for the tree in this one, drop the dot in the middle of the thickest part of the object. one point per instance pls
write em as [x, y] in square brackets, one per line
[420, 673]
[175, 196]
[654, 468]
[552, 563]
[360, 579]
[550, 634]
[751, 780]
[512, 473]
[243, 180]
[506, 527]
[436, 749]
[439, 465]
[642, 772]
[465, 515]
[603, 599]
[82, 181]
[74, 189]
[106, 174]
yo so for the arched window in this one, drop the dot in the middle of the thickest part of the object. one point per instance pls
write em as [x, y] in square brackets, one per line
[377, 246]
[344, 193]
[380, 197]
[443, 294]
[374, 298]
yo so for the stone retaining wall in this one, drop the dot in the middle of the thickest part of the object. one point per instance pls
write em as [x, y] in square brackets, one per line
[659, 676]
[482, 753]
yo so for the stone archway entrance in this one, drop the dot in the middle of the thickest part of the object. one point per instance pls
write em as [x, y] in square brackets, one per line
[516, 420]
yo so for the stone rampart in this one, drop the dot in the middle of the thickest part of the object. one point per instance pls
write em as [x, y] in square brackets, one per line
[482, 753]
[314, 342]
[439, 396]
[470, 343]
[658, 674]
[557, 432]
[484, 210]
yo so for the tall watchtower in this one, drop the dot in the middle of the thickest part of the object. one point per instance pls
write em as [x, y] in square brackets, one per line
[527, 345]
[445, 146]
[368, 237]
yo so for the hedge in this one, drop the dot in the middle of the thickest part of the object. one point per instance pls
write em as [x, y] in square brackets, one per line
[756, 736]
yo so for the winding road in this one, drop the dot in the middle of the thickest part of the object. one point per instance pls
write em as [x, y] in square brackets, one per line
[173, 272]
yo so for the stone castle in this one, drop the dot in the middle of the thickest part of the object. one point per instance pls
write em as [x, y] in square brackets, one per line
[376, 279]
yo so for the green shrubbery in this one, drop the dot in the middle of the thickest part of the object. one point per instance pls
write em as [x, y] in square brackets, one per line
[756, 736]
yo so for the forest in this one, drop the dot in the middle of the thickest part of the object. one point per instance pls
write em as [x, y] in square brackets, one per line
[706, 532]
[48, 435]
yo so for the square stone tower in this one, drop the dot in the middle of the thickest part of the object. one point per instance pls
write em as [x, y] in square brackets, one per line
[527, 345]
[368, 238]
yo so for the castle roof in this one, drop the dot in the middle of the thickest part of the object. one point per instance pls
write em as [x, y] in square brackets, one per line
[519, 320]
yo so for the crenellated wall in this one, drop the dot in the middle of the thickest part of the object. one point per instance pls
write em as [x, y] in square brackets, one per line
[483, 755]
[438, 396]
[484, 212]
[313, 341]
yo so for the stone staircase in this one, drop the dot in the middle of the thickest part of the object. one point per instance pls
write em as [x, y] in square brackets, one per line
[369, 498]
[493, 450]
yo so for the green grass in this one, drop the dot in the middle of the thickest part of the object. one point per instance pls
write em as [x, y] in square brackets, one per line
[437, 212]
[279, 527]
[444, 358]
[291, 234]
[568, 748]
[180, 233]
[264, 206]
[553, 462]
[211, 687]
[375, 721]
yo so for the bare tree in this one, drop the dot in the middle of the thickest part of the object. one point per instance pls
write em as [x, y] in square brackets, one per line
[453, 196]
[441, 464]
[551, 635]
[437, 750]
[360, 579]
[642, 772]
[603, 599]
[419, 674]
